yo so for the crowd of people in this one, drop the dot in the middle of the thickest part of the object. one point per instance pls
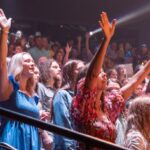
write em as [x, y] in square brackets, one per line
[89, 91]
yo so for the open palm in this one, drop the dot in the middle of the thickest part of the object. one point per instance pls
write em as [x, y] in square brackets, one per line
[107, 27]
[4, 22]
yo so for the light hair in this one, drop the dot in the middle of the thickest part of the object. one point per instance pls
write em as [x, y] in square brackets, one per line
[139, 116]
[15, 69]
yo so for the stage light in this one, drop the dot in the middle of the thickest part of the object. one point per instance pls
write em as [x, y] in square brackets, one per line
[127, 18]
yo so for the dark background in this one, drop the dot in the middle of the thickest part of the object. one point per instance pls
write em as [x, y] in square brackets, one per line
[68, 18]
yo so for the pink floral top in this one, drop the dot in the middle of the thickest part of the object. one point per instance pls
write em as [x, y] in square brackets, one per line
[85, 113]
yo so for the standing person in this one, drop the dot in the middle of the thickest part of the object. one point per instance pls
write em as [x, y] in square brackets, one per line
[62, 104]
[17, 94]
[87, 108]
[93, 112]
[138, 124]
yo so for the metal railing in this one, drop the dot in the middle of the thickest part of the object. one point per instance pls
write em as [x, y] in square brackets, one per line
[89, 141]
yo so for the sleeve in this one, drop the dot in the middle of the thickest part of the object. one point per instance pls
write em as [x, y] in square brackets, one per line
[83, 107]
[114, 105]
[61, 117]
[13, 82]
[135, 141]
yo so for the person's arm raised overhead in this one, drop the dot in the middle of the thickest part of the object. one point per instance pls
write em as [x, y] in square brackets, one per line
[128, 89]
[97, 61]
[67, 53]
[5, 87]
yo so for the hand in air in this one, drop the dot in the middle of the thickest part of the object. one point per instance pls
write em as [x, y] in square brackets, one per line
[4, 22]
[107, 27]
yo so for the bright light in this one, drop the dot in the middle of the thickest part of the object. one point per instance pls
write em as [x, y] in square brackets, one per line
[127, 18]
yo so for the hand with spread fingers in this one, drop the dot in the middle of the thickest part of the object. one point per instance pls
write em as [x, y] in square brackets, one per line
[107, 27]
[4, 22]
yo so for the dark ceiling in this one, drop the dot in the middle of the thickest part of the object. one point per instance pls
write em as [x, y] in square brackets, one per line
[73, 14]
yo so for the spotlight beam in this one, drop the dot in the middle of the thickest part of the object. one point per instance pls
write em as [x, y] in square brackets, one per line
[127, 18]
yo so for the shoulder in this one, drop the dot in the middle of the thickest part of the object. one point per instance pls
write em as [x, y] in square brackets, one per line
[62, 93]
[135, 141]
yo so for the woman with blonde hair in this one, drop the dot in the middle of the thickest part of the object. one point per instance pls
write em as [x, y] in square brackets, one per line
[17, 94]
[138, 124]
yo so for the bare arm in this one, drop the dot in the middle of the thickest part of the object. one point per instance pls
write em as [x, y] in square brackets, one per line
[87, 39]
[5, 87]
[128, 89]
[68, 50]
[97, 62]
[79, 39]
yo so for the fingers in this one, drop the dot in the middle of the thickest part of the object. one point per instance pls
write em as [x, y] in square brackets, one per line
[101, 24]
[114, 24]
[1, 13]
[104, 18]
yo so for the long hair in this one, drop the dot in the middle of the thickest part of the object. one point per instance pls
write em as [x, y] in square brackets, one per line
[69, 78]
[15, 69]
[45, 74]
[139, 116]
[148, 88]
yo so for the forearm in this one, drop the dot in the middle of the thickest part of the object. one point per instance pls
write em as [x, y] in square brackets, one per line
[87, 44]
[46, 140]
[97, 61]
[128, 89]
[3, 46]
[66, 58]
[3, 63]
[79, 47]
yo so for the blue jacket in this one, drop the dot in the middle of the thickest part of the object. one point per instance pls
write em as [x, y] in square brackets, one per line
[61, 116]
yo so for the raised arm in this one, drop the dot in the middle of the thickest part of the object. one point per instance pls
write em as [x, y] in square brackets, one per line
[4, 84]
[67, 53]
[79, 40]
[128, 89]
[97, 62]
[87, 40]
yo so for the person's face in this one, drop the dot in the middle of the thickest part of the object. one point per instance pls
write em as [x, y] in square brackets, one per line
[144, 50]
[102, 81]
[55, 71]
[38, 42]
[45, 42]
[114, 74]
[23, 41]
[139, 90]
[59, 57]
[28, 66]
[122, 71]
[11, 50]
[18, 49]
[36, 74]
[112, 87]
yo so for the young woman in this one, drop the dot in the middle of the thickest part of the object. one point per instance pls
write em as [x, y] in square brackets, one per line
[93, 112]
[17, 94]
[138, 124]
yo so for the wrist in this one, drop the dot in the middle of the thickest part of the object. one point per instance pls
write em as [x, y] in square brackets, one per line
[5, 31]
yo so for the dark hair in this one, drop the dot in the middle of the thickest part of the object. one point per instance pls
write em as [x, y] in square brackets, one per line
[148, 88]
[68, 72]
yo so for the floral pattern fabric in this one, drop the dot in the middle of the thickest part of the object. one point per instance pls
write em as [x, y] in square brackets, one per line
[85, 112]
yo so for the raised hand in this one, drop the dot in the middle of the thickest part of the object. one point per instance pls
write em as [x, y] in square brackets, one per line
[4, 22]
[87, 35]
[79, 38]
[68, 48]
[107, 27]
